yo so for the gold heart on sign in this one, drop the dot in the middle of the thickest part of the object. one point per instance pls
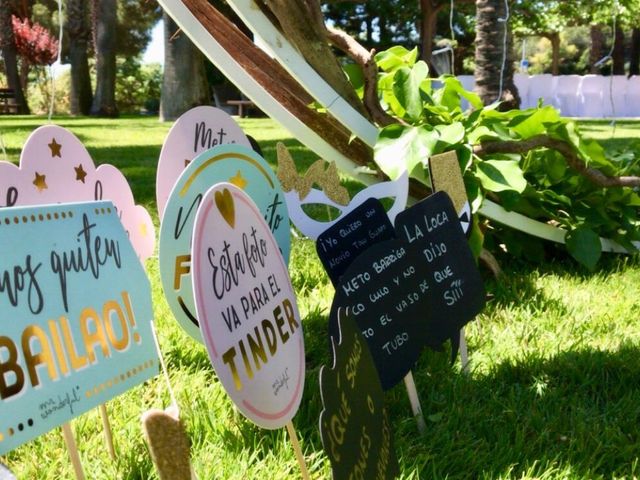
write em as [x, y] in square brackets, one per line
[224, 202]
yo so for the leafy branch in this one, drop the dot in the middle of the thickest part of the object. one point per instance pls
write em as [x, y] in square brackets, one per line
[532, 161]
[573, 160]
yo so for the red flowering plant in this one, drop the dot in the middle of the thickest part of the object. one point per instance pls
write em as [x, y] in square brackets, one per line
[34, 42]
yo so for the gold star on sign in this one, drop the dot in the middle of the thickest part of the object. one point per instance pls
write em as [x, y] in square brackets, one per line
[56, 148]
[40, 182]
[80, 173]
[238, 180]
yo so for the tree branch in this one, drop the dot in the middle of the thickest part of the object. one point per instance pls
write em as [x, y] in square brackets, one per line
[366, 60]
[573, 160]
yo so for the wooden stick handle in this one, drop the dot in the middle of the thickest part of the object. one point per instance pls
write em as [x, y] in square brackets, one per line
[108, 436]
[412, 391]
[298, 451]
[73, 450]
[464, 354]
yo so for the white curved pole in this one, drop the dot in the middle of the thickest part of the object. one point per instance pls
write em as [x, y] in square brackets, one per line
[288, 56]
[252, 89]
[293, 62]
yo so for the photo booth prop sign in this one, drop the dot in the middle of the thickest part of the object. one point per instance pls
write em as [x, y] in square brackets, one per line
[76, 316]
[385, 291]
[299, 191]
[354, 424]
[55, 167]
[196, 131]
[247, 307]
[446, 176]
[229, 163]
[413, 291]
[341, 243]
[456, 291]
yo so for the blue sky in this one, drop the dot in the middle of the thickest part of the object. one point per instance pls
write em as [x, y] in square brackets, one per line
[155, 50]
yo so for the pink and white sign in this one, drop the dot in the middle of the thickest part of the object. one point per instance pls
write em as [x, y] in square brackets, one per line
[197, 130]
[55, 167]
[247, 307]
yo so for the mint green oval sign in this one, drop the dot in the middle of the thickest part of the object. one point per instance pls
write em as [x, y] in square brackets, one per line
[235, 164]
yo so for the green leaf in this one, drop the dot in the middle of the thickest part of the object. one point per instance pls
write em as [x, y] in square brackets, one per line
[400, 147]
[396, 57]
[529, 126]
[451, 134]
[435, 417]
[480, 133]
[406, 87]
[453, 91]
[356, 77]
[584, 245]
[474, 192]
[500, 175]
[385, 86]
[476, 238]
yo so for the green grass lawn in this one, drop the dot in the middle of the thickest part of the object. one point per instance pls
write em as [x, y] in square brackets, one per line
[554, 390]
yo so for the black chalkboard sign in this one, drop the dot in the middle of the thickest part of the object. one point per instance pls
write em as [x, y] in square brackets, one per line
[341, 243]
[386, 291]
[433, 233]
[354, 425]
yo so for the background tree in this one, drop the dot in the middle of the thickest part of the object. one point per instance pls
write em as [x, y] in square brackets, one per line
[9, 55]
[544, 19]
[380, 25]
[184, 83]
[79, 33]
[106, 20]
[634, 52]
[492, 72]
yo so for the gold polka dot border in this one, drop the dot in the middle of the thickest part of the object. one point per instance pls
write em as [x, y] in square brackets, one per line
[41, 217]
[102, 211]
[11, 431]
[110, 383]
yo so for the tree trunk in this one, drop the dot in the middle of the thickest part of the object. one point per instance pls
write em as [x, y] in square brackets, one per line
[184, 84]
[428, 19]
[303, 25]
[490, 49]
[8, 48]
[104, 101]
[618, 52]
[554, 38]
[634, 53]
[79, 34]
[597, 48]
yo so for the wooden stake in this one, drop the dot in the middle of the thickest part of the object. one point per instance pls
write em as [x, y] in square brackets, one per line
[73, 451]
[296, 448]
[464, 354]
[412, 391]
[108, 436]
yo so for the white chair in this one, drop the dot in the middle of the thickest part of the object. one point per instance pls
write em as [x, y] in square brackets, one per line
[591, 96]
[614, 96]
[522, 84]
[633, 97]
[542, 87]
[568, 95]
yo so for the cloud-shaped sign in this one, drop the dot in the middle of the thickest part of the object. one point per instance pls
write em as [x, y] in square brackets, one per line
[55, 167]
